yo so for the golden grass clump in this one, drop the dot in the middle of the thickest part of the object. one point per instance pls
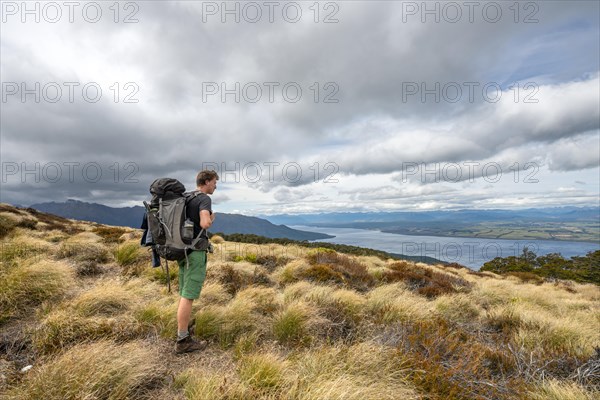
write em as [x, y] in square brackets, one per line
[202, 384]
[543, 318]
[128, 253]
[262, 371]
[460, 308]
[553, 389]
[291, 272]
[341, 309]
[111, 234]
[107, 298]
[63, 328]
[22, 247]
[28, 284]
[263, 300]
[159, 316]
[214, 293]
[299, 323]
[83, 250]
[360, 371]
[110, 309]
[101, 370]
[216, 239]
[393, 303]
[296, 291]
[225, 324]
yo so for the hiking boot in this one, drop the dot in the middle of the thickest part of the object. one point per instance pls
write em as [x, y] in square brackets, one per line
[188, 345]
[192, 327]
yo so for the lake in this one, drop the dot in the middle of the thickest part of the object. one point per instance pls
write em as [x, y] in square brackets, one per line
[471, 252]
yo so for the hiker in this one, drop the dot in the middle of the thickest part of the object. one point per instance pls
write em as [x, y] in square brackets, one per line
[193, 270]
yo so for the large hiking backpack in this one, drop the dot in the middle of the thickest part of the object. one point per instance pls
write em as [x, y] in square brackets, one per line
[170, 233]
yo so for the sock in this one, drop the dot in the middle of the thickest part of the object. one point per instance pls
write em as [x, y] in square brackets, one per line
[182, 335]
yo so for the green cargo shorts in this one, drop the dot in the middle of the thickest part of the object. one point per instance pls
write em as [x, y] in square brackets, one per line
[191, 278]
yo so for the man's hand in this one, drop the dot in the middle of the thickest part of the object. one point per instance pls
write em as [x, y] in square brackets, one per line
[212, 217]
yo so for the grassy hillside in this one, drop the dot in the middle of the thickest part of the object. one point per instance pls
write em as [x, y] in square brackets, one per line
[80, 303]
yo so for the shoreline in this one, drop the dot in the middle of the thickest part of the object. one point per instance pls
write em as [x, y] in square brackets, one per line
[486, 237]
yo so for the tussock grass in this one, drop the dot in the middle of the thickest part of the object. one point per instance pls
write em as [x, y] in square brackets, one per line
[296, 291]
[159, 274]
[86, 253]
[262, 371]
[128, 253]
[214, 293]
[342, 310]
[460, 308]
[21, 247]
[110, 309]
[108, 298]
[101, 370]
[295, 325]
[159, 316]
[291, 272]
[214, 385]
[63, 329]
[554, 389]
[283, 325]
[360, 371]
[263, 300]
[28, 284]
[216, 239]
[393, 303]
[225, 324]
[328, 266]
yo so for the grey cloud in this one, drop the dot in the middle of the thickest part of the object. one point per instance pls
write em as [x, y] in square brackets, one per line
[370, 54]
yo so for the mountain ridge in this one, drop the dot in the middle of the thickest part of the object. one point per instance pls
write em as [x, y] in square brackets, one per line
[132, 217]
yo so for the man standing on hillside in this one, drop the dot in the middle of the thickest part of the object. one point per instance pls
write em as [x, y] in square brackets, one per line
[191, 276]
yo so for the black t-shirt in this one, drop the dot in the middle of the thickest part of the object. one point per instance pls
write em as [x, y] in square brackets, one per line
[197, 204]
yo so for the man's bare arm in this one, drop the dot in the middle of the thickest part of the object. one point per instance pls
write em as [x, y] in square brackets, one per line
[206, 219]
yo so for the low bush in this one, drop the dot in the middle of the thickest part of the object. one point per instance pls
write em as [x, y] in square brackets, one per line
[327, 266]
[110, 234]
[7, 225]
[425, 281]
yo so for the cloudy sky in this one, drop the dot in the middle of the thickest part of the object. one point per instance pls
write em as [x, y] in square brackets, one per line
[303, 106]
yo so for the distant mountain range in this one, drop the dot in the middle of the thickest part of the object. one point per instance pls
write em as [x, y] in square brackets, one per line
[557, 223]
[132, 217]
[379, 219]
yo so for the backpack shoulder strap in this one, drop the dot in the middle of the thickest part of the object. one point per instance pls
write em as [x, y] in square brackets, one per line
[189, 196]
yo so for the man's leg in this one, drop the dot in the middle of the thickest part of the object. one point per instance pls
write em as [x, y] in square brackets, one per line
[191, 279]
[184, 312]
